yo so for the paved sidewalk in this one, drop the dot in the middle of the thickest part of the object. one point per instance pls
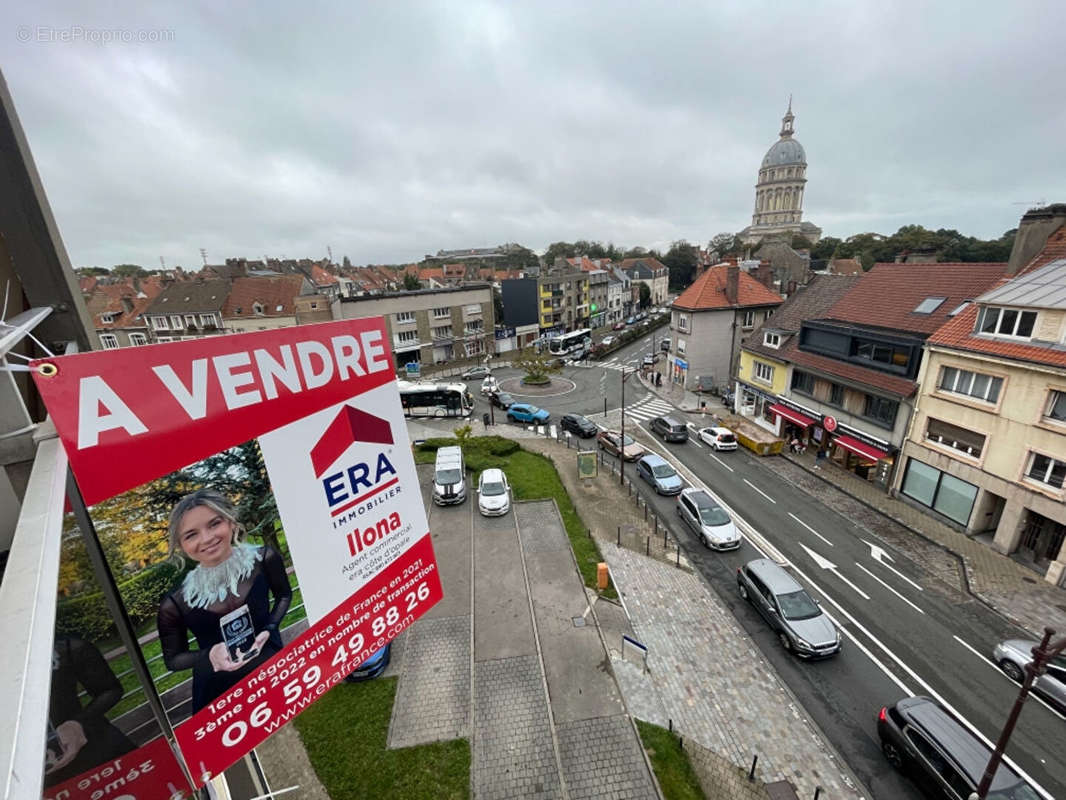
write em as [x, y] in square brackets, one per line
[1012, 589]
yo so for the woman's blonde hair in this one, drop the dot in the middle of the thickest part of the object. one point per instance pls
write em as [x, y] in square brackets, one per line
[209, 498]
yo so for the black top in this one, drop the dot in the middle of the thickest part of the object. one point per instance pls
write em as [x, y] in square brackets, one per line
[177, 618]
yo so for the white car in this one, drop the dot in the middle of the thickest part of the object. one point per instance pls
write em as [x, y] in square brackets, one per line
[493, 493]
[607, 341]
[718, 438]
[490, 385]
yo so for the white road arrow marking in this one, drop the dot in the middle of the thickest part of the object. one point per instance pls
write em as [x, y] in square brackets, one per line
[883, 558]
[825, 563]
[897, 594]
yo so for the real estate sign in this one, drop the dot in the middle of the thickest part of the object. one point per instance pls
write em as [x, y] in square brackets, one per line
[295, 437]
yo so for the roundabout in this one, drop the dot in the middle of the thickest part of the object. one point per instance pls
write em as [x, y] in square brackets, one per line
[553, 388]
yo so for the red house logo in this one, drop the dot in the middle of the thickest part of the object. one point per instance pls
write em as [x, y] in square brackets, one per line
[351, 425]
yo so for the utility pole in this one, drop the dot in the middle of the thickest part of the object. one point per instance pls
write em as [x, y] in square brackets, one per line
[1042, 654]
[622, 437]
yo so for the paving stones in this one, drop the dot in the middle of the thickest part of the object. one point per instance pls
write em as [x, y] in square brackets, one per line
[601, 758]
[514, 756]
[433, 696]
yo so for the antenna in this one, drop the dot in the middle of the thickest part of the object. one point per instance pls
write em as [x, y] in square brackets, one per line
[1031, 203]
[203, 255]
[330, 251]
[162, 262]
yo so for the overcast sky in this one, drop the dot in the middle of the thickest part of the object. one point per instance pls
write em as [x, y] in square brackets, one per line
[389, 130]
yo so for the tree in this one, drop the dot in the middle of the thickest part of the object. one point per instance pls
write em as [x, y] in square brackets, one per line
[825, 248]
[410, 282]
[556, 250]
[635, 252]
[538, 367]
[681, 260]
[93, 272]
[645, 295]
[128, 271]
[722, 243]
[346, 263]
[801, 242]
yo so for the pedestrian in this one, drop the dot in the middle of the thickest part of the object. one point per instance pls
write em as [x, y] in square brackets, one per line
[820, 458]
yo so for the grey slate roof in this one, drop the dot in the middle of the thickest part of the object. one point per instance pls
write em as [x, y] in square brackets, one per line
[1041, 288]
[810, 302]
[188, 297]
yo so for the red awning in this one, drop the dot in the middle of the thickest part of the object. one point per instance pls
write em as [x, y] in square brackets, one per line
[860, 448]
[792, 416]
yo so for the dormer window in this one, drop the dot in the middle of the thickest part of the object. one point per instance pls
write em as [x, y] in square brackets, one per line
[1006, 322]
[771, 340]
[107, 319]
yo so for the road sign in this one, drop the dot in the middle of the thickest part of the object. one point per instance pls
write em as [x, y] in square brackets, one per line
[414, 369]
[587, 465]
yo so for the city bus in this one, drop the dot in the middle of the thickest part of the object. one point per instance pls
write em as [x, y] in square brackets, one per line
[574, 343]
[435, 399]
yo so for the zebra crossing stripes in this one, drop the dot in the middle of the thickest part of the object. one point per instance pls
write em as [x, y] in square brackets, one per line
[649, 408]
[619, 365]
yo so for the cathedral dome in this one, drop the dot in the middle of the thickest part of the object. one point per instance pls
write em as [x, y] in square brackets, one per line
[785, 151]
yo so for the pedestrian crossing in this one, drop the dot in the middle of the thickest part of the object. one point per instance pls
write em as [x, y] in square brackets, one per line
[648, 408]
[618, 365]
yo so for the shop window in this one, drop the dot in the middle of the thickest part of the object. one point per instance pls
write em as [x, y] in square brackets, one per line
[836, 395]
[964, 440]
[939, 491]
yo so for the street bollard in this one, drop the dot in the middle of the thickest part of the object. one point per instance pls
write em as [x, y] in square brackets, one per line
[670, 722]
[619, 535]
[645, 512]
[754, 761]
[817, 792]
[678, 564]
[647, 546]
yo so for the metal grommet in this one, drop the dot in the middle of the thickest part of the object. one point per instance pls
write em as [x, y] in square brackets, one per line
[47, 369]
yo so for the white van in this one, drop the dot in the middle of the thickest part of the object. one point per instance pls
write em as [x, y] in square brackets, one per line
[449, 476]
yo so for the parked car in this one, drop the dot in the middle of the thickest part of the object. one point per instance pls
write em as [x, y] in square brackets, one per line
[449, 476]
[524, 412]
[718, 438]
[490, 385]
[801, 625]
[372, 667]
[493, 493]
[501, 400]
[476, 373]
[607, 341]
[657, 471]
[672, 430]
[631, 320]
[577, 424]
[613, 443]
[709, 521]
[920, 737]
[1013, 654]
[619, 326]
[650, 360]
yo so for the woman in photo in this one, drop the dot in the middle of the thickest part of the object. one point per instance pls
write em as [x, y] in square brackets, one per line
[232, 602]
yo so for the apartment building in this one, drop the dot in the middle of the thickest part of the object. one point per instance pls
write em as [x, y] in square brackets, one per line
[986, 449]
[430, 326]
[187, 310]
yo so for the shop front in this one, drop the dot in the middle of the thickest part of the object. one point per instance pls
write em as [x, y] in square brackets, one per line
[793, 422]
[851, 449]
[678, 370]
[758, 406]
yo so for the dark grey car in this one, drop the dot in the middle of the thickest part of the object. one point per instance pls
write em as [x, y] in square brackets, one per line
[801, 625]
[671, 429]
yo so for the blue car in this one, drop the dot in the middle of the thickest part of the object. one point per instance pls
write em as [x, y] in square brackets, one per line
[372, 667]
[656, 471]
[524, 412]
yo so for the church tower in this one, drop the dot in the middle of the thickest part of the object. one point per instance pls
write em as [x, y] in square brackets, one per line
[779, 191]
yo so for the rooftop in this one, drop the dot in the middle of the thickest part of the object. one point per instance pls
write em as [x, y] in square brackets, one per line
[708, 292]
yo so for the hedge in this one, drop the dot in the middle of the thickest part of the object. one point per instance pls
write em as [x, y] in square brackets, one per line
[87, 615]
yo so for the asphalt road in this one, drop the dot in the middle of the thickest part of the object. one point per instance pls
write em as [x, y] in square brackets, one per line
[905, 631]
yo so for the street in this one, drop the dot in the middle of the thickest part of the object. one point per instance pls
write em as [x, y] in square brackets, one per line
[906, 632]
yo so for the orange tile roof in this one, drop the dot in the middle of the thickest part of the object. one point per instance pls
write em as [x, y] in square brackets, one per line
[845, 266]
[708, 292]
[269, 292]
[321, 276]
[887, 295]
[107, 299]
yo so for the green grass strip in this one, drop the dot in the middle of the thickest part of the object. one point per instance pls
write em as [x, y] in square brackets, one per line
[672, 768]
[345, 733]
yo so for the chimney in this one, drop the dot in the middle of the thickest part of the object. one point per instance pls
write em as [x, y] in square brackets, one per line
[732, 284]
[764, 274]
[1033, 232]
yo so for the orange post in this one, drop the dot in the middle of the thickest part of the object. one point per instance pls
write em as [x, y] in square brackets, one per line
[601, 576]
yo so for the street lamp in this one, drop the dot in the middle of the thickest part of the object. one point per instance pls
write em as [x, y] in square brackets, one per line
[622, 437]
[1042, 654]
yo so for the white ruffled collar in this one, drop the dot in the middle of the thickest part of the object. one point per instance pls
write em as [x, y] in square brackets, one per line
[205, 586]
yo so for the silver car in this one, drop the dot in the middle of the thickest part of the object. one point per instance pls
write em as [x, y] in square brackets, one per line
[709, 521]
[801, 625]
[1013, 654]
